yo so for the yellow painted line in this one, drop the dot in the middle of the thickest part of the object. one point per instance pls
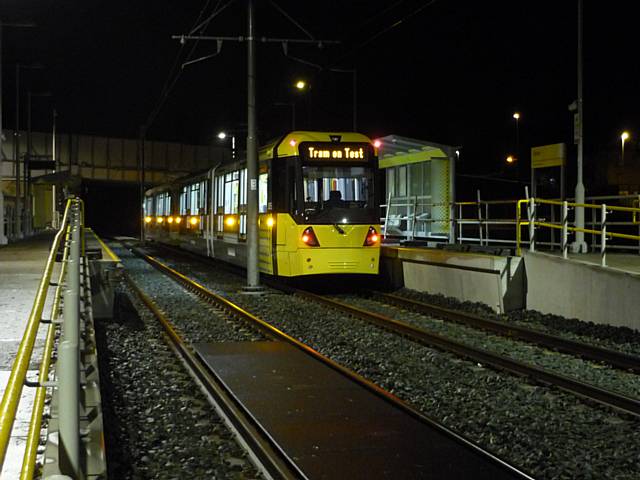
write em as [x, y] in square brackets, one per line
[113, 256]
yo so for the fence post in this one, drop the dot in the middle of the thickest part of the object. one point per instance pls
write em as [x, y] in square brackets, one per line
[486, 225]
[479, 217]
[460, 225]
[531, 210]
[603, 235]
[593, 227]
[565, 229]
[413, 222]
[452, 229]
[552, 233]
[386, 217]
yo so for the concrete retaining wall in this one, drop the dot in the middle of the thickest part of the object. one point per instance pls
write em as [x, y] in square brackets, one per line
[493, 280]
[581, 290]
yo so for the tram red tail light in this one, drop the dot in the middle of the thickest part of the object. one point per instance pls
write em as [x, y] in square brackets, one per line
[372, 238]
[309, 237]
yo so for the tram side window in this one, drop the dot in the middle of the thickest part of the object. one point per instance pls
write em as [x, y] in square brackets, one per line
[163, 204]
[148, 206]
[220, 194]
[202, 202]
[263, 184]
[194, 198]
[184, 201]
[231, 192]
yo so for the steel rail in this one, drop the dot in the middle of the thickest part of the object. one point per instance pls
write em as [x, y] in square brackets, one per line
[276, 464]
[610, 399]
[13, 391]
[278, 334]
[591, 352]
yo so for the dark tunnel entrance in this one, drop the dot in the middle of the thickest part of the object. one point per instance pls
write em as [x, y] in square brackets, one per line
[112, 208]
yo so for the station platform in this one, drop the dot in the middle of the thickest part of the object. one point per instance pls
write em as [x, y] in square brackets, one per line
[21, 267]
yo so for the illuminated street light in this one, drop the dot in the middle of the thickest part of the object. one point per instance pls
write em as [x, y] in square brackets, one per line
[623, 138]
[301, 84]
[516, 115]
[222, 136]
[511, 159]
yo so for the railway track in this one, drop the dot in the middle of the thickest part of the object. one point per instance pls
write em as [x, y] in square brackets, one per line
[277, 462]
[585, 390]
[583, 350]
[612, 399]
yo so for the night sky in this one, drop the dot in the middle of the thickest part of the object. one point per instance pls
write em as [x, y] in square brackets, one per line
[446, 71]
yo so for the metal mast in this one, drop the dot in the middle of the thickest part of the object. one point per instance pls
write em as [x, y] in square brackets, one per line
[253, 274]
[579, 245]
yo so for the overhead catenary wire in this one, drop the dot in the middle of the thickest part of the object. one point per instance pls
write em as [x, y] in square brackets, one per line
[179, 61]
[386, 29]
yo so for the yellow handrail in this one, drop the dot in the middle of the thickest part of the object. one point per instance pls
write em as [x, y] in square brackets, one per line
[520, 223]
[33, 437]
[11, 397]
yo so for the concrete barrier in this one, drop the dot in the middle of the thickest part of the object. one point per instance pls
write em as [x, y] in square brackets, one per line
[494, 280]
[581, 290]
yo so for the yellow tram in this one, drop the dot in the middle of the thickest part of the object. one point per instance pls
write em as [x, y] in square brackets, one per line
[318, 203]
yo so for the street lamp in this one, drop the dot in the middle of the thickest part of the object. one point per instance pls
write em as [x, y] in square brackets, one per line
[222, 136]
[27, 173]
[511, 159]
[516, 115]
[623, 138]
[301, 85]
[16, 148]
[293, 111]
[3, 237]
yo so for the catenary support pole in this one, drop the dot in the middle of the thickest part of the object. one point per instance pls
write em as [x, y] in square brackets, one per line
[253, 275]
[579, 245]
[3, 237]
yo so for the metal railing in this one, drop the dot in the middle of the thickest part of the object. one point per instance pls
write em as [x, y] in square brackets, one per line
[68, 382]
[494, 222]
[564, 225]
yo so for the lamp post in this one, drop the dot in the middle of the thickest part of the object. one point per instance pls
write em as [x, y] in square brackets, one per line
[3, 237]
[579, 245]
[16, 148]
[516, 116]
[624, 136]
[354, 72]
[293, 111]
[27, 172]
[302, 86]
[222, 136]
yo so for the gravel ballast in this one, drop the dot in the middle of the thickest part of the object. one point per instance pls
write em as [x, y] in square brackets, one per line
[542, 430]
[158, 423]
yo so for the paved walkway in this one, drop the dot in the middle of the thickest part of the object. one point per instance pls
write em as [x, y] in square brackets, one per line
[627, 262]
[21, 268]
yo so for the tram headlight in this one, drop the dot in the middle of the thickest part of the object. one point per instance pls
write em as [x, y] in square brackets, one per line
[270, 222]
[178, 220]
[194, 220]
[230, 221]
[169, 219]
[159, 219]
[148, 219]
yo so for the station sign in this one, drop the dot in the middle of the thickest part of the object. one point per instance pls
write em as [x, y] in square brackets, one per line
[359, 152]
[554, 155]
